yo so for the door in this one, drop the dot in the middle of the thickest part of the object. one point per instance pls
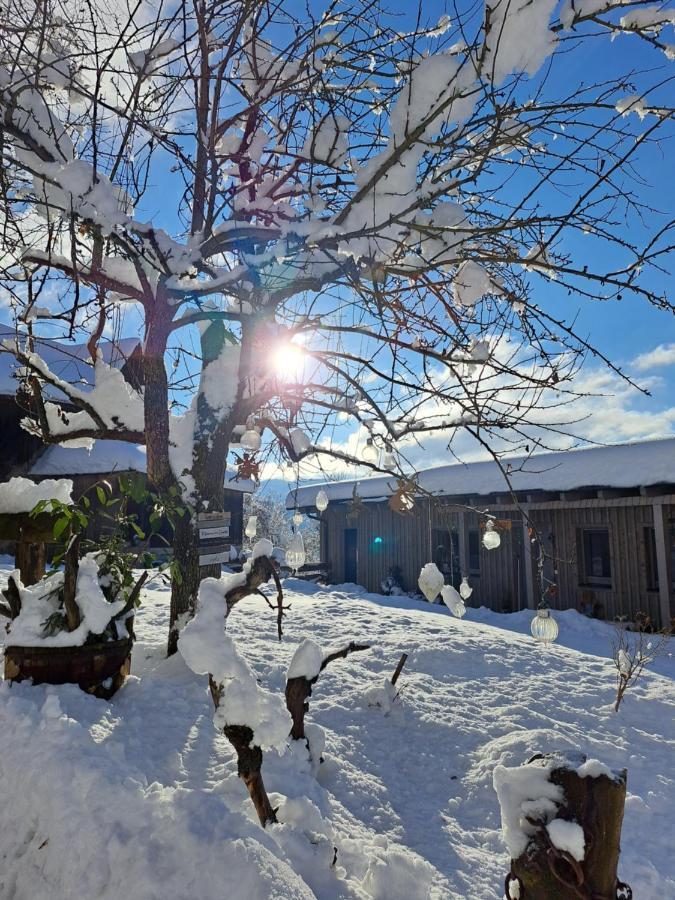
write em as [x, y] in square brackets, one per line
[351, 555]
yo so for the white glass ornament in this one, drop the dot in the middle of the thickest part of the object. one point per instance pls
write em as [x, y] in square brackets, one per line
[388, 460]
[299, 440]
[491, 539]
[430, 581]
[250, 439]
[453, 601]
[544, 627]
[465, 589]
[321, 501]
[369, 453]
[298, 518]
[295, 553]
[251, 527]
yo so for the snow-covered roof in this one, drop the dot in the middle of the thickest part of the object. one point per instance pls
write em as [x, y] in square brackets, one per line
[69, 361]
[633, 465]
[106, 457]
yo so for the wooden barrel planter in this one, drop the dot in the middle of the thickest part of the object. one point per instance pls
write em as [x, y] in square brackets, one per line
[99, 669]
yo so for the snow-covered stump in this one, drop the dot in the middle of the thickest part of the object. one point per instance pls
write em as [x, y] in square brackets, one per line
[561, 820]
[307, 664]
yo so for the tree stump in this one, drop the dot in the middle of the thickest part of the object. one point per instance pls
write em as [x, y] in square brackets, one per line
[594, 800]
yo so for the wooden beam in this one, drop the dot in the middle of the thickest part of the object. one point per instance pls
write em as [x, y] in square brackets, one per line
[662, 564]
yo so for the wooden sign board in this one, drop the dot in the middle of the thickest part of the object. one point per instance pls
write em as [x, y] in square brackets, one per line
[214, 538]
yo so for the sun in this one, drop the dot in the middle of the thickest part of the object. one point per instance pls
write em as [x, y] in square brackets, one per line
[288, 361]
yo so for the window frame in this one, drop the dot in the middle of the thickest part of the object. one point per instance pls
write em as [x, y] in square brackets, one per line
[586, 578]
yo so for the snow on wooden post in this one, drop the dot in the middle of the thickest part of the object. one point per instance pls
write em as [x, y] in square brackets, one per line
[561, 820]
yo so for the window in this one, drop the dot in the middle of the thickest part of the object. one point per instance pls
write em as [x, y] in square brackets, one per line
[651, 564]
[474, 551]
[595, 565]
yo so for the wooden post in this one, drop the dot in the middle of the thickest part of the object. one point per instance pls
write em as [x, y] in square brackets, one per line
[662, 565]
[31, 561]
[595, 802]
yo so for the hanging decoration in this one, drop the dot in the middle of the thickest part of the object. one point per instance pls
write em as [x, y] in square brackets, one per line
[248, 468]
[295, 553]
[298, 518]
[251, 527]
[544, 627]
[369, 454]
[465, 589]
[431, 581]
[403, 499]
[453, 601]
[491, 538]
[388, 460]
[321, 501]
[250, 439]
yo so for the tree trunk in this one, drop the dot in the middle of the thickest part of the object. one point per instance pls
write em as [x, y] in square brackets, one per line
[209, 462]
[544, 872]
[31, 560]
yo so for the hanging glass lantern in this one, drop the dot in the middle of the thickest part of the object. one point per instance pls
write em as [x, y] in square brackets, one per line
[251, 527]
[430, 581]
[491, 539]
[544, 627]
[369, 453]
[388, 460]
[453, 601]
[295, 554]
[321, 501]
[298, 517]
[250, 439]
[465, 589]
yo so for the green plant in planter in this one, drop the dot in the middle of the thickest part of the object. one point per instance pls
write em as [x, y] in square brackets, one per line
[89, 595]
[123, 547]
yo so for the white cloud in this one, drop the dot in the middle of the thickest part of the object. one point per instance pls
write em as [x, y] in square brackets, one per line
[663, 355]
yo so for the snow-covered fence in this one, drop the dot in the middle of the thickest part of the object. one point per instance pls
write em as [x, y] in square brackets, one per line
[561, 821]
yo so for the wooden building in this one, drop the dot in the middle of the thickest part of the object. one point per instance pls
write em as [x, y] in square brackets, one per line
[605, 517]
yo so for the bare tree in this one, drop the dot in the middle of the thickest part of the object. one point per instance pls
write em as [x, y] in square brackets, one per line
[400, 198]
[632, 652]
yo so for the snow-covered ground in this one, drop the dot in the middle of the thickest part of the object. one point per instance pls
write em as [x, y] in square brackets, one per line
[138, 797]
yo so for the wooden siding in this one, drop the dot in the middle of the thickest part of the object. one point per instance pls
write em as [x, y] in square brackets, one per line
[502, 582]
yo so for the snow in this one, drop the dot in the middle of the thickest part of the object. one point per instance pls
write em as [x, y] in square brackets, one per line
[471, 283]
[568, 836]
[524, 792]
[307, 660]
[39, 601]
[105, 457]
[21, 495]
[519, 39]
[148, 791]
[638, 464]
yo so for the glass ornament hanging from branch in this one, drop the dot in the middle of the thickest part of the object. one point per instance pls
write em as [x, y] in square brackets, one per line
[321, 501]
[370, 453]
[295, 553]
[453, 601]
[544, 627]
[431, 581]
[465, 589]
[491, 538]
